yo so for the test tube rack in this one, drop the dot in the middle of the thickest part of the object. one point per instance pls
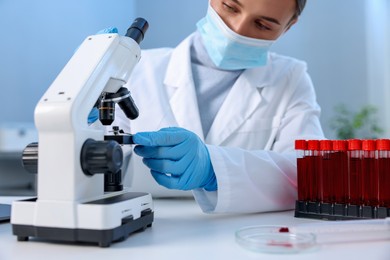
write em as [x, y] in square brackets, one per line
[335, 211]
[343, 179]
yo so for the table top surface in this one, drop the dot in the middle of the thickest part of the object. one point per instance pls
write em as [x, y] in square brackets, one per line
[182, 231]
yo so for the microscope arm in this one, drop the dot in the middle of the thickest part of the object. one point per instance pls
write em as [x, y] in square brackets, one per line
[102, 63]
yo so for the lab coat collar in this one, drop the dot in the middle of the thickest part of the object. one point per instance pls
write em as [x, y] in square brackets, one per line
[243, 99]
[238, 106]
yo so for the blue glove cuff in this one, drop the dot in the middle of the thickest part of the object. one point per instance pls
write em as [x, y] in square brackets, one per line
[212, 184]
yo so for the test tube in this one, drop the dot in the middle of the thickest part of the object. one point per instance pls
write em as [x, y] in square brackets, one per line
[369, 173]
[355, 171]
[383, 147]
[326, 171]
[340, 177]
[300, 147]
[313, 166]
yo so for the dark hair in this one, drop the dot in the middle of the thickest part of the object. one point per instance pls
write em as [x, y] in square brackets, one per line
[300, 6]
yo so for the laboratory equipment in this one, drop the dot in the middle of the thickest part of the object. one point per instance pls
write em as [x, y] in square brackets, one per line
[355, 171]
[343, 179]
[273, 239]
[383, 147]
[369, 173]
[326, 175]
[75, 200]
[123, 98]
[339, 160]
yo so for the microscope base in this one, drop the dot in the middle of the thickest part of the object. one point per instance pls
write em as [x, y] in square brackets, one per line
[102, 236]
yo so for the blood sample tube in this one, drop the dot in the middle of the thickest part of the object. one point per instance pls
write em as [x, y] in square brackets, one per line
[355, 171]
[313, 168]
[383, 147]
[369, 173]
[340, 177]
[326, 172]
[300, 147]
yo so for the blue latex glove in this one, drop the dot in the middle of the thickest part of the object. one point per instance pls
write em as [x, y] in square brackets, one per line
[94, 114]
[178, 159]
[108, 30]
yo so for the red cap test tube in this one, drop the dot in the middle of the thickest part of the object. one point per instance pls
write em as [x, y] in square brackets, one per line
[340, 177]
[301, 148]
[383, 147]
[326, 181]
[369, 173]
[355, 171]
[313, 168]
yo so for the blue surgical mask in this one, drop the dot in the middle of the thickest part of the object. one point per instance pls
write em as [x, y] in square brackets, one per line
[229, 50]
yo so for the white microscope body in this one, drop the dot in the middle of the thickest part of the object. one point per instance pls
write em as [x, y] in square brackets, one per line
[72, 205]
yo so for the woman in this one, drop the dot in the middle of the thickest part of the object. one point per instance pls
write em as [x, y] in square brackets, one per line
[219, 113]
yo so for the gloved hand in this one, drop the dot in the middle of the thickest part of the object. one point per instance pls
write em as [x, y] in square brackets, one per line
[94, 114]
[108, 30]
[178, 159]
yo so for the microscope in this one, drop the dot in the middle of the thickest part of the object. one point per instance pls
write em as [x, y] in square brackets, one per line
[79, 193]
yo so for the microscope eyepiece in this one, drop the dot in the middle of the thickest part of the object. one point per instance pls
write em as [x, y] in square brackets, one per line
[138, 29]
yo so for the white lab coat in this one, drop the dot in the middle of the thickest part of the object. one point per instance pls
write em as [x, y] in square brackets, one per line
[251, 141]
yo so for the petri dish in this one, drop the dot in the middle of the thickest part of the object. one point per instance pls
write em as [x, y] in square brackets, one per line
[274, 239]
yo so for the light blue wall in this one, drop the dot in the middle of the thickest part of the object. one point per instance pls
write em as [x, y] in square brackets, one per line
[37, 39]
[170, 20]
[331, 38]
[39, 36]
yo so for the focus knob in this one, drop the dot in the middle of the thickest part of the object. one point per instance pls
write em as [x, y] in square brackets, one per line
[101, 157]
[30, 158]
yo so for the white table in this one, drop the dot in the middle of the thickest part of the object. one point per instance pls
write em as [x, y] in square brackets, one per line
[181, 231]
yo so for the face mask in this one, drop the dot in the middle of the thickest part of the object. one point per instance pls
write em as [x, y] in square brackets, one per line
[229, 50]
